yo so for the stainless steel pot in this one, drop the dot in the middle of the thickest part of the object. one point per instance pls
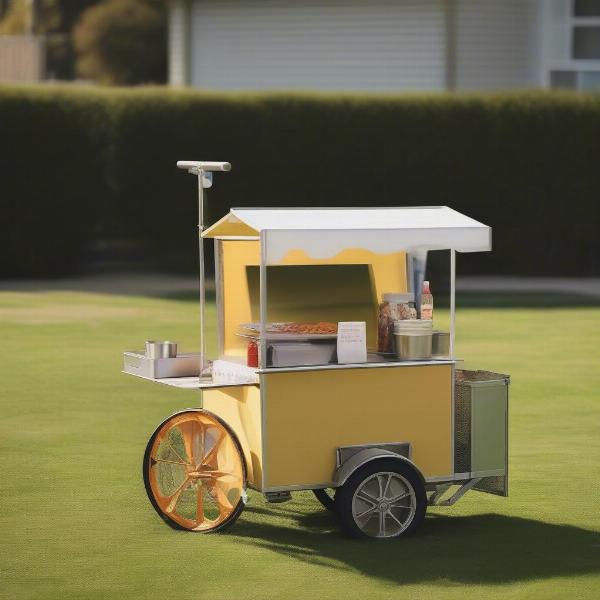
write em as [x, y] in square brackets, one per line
[164, 349]
[440, 344]
[413, 346]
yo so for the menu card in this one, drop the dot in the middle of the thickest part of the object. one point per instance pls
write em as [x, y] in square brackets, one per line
[352, 342]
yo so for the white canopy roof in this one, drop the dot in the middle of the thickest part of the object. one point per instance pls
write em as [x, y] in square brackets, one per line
[324, 232]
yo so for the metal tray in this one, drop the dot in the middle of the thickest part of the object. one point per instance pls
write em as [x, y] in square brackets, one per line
[184, 365]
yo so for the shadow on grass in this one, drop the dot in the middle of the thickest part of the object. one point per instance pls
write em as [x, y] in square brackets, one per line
[489, 548]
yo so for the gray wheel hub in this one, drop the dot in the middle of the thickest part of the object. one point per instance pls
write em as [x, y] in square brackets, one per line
[384, 505]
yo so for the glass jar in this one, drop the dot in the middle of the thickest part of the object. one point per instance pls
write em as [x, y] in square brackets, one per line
[394, 307]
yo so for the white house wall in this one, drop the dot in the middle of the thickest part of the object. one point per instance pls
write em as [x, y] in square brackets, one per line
[178, 33]
[333, 45]
[497, 44]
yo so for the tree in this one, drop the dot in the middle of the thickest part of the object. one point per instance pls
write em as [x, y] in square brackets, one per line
[17, 18]
[54, 19]
[123, 42]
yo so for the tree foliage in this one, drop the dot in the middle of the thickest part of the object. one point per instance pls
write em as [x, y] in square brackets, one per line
[122, 42]
[17, 19]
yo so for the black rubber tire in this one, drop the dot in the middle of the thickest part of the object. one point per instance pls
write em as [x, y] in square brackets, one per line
[172, 523]
[325, 499]
[344, 495]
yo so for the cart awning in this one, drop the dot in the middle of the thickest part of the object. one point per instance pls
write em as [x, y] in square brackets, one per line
[324, 232]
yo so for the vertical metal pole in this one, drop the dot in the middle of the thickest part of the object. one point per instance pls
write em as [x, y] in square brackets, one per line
[201, 269]
[263, 300]
[452, 300]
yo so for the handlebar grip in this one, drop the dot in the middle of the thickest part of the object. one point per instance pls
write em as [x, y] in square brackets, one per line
[203, 165]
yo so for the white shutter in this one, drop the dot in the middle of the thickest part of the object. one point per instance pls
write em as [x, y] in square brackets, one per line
[325, 45]
[178, 42]
[496, 44]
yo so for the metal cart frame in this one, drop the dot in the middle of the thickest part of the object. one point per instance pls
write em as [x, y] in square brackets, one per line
[250, 412]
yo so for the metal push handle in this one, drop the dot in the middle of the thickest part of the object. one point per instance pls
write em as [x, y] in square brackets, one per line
[193, 166]
[203, 170]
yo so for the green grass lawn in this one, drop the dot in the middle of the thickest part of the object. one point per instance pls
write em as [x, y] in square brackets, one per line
[75, 521]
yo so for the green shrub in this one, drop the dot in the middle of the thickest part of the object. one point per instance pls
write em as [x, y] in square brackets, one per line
[525, 163]
[52, 177]
[123, 42]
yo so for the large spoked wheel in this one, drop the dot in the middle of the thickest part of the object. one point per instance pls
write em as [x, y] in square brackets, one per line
[383, 499]
[194, 472]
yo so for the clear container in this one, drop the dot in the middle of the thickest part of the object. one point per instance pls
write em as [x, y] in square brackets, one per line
[394, 307]
[426, 308]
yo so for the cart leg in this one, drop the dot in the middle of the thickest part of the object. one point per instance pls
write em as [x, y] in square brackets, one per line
[325, 498]
[435, 499]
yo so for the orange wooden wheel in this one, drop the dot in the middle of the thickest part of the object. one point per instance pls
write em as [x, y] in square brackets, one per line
[194, 472]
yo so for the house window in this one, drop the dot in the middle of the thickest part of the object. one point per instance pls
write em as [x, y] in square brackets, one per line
[586, 8]
[590, 81]
[586, 43]
[585, 81]
[563, 80]
[576, 65]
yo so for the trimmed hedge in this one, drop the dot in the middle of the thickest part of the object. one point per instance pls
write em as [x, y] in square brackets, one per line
[526, 164]
[54, 146]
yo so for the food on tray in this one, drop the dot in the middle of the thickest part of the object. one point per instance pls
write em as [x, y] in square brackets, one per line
[320, 328]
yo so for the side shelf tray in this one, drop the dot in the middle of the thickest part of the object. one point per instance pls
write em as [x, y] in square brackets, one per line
[182, 372]
[188, 383]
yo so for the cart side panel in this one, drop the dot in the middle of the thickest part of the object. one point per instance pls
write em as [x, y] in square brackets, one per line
[240, 408]
[235, 294]
[311, 413]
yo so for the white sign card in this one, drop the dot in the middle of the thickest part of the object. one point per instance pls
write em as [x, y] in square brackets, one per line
[352, 342]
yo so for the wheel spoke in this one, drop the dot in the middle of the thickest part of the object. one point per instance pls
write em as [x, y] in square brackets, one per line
[364, 495]
[188, 429]
[213, 451]
[387, 485]
[169, 462]
[176, 453]
[222, 500]
[174, 498]
[381, 495]
[381, 524]
[193, 434]
[216, 474]
[200, 505]
[391, 514]
[399, 497]
[369, 511]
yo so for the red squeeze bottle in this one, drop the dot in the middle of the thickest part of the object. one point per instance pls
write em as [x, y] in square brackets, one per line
[252, 354]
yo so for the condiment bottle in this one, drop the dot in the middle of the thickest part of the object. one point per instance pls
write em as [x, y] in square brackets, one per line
[252, 354]
[426, 303]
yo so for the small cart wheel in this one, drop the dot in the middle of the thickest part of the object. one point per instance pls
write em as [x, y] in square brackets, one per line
[194, 472]
[383, 499]
[325, 499]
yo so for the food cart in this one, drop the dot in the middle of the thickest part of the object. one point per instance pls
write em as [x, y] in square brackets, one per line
[377, 440]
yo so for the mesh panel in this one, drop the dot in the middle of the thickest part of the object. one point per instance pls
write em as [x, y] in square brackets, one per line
[462, 427]
[463, 376]
[462, 414]
[493, 485]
